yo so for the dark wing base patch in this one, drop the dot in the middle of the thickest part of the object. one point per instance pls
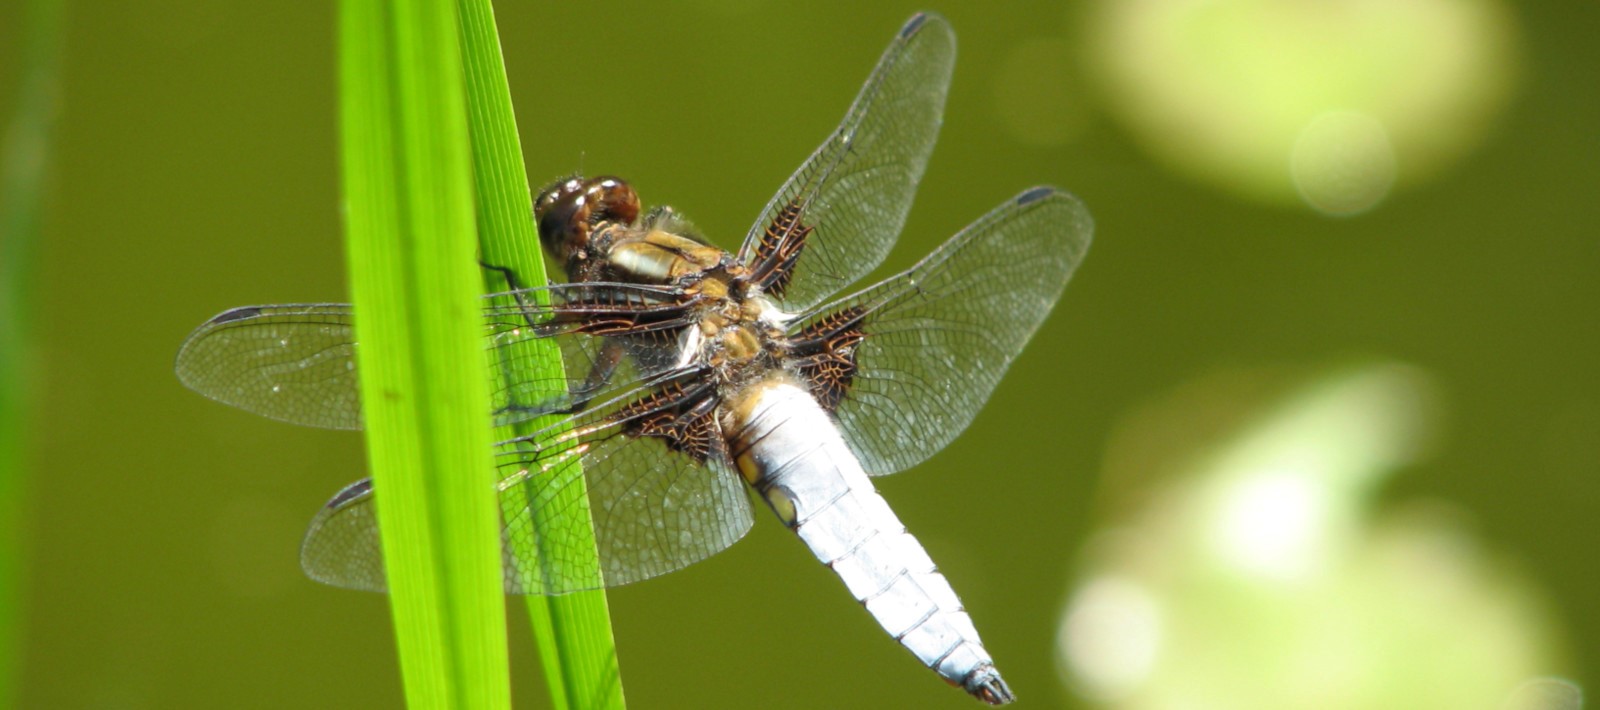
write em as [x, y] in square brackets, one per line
[681, 418]
[824, 353]
[779, 250]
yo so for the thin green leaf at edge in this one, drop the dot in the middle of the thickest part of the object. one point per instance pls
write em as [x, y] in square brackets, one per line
[573, 630]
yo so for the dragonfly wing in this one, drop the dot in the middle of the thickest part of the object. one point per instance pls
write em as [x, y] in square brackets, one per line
[297, 362]
[341, 548]
[655, 506]
[654, 510]
[936, 339]
[294, 363]
[838, 216]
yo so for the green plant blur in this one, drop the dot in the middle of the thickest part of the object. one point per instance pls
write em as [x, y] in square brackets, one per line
[25, 150]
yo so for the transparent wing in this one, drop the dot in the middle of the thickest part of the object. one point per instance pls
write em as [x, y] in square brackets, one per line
[296, 362]
[837, 217]
[655, 509]
[613, 338]
[938, 337]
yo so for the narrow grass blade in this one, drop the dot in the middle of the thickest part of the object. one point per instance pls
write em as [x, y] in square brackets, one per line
[414, 282]
[573, 630]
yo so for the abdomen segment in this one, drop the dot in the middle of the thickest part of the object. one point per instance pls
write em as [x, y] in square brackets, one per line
[787, 447]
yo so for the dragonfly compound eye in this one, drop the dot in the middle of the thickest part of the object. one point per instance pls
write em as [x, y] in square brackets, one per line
[569, 211]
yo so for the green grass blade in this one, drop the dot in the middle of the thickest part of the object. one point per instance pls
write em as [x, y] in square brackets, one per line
[414, 282]
[573, 630]
[23, 163]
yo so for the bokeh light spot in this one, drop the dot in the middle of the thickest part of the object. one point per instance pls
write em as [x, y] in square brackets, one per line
[1269, 524]
[1546, 694]
[1342, 163]
[1260, 570]
[1321, 101]
[1111, 636]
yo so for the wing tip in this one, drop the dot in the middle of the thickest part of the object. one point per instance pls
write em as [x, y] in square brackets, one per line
[229, 316]
[1037, 193]
[919, 21]
[913, 24]
[335, 553]
[233, 314]
[348, 493]
[1069, 209]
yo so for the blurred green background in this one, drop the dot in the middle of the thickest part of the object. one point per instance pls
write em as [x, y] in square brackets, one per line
[1286, 193]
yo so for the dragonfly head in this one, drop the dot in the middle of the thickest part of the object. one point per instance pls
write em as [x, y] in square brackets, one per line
[568, 211]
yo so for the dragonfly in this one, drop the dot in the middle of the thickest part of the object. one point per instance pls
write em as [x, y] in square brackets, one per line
[695, 380]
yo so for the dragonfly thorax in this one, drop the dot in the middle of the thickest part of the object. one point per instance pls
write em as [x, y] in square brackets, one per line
[738, 337]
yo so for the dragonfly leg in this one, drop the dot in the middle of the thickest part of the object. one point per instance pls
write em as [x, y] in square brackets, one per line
[517, 290]
[513, 281]
[605, 365]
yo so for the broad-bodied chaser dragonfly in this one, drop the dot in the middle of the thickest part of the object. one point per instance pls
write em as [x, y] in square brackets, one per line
[693, 373]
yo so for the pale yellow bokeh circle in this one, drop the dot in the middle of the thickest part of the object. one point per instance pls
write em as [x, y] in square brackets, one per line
[1326, 102]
